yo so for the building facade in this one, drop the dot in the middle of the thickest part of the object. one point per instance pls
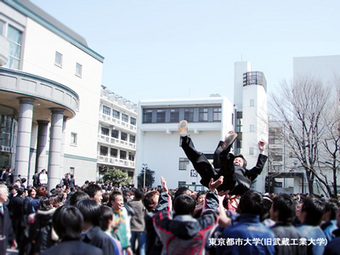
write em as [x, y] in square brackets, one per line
[50, 82]
[116, 134]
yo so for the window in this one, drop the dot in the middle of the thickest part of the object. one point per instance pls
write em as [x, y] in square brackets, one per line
[181, 183]
[147, 116]
[183, 162]
[252, 103]
[174, 115]
[251, 128]
[113, 152]
[105, 131]
[132, 139]
[123, 136]
[122, 154]
[115, 133]
[203, 114]
[133, 121]
[160, 116]
[189, 115]
[14, 37]
[58, 60]
[106, 110]
[2, 27]
[217, 114]
[79, 70]
[115, 114]
[73, 138]
[251, 150]
[72, 170]
[125, 117]
[103, 150]
[131, 156]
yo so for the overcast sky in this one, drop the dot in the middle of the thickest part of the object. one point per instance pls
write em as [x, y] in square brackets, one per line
[187, 48]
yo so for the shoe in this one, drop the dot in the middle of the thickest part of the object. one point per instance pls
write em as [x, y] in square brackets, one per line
[229, 139]
[183, 128]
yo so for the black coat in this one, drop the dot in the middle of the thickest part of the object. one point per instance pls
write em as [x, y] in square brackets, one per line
[6, 230]
[73, 248]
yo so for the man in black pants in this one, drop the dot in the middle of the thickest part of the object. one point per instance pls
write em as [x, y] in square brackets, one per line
[237, 179]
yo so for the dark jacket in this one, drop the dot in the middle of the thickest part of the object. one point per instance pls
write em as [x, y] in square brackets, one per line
[333, 247]
[184, 234]
[97, 237]
[6, 230]
[73, 248]
[283, 231]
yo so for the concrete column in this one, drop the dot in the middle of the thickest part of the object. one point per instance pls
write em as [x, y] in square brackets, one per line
[41, 161]
[24, 137]
[62, 147]
[54, 173]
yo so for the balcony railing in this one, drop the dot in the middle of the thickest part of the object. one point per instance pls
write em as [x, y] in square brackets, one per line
[116, 122]
[116, 142]
[115, 161]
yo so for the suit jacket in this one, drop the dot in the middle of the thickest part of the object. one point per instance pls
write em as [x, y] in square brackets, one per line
[6, 230]
[73, 248]
[97, 237]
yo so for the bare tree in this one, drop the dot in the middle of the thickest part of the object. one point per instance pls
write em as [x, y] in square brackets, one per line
[303, 106]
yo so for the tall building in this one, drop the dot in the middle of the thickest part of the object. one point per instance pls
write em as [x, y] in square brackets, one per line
[50, 82]
[158, 139]
[251, 118]
[116, 133]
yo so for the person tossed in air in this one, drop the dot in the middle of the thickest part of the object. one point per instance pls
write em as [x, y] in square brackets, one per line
[237, 178]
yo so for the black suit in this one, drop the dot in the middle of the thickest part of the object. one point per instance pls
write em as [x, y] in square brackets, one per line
[16, 207]
[97, 237]
[73, 248]
[6, 230]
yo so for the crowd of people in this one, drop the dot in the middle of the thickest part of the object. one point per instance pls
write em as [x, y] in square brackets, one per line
[227, 218]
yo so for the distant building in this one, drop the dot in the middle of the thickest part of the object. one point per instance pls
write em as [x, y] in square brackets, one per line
[49, 91]
[250, 111]
[116, 133]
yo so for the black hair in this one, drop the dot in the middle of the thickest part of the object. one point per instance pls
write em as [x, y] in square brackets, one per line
[92, 189]
[184, 204]
[314, 211]
[180, 191]
[332, 207]
[138, 194]
[68, 223]
[77, 196]
[251, 202]
[285, 205]
[44, 204]
[90, 211]
[106, 214]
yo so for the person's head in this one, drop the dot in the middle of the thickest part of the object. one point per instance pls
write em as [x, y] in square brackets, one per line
[43, 171]
[150, 200]
[251, 202]
[56, 200]
[138, 193]
[330, 210]
[182, 190]
[239, 160]
[3, 193]
[184, 204]
[77, 196]
[90, 211]
[32, 192]
[200, 197]
[116, 200]
[311, 211]
[106, 218]
[41, 191]
[283, 208]
[44, 204]
[68, 223]
[95, 192]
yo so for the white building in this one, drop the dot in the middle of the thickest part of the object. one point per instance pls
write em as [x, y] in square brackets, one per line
[251, 119]
[49, 86]
[158, 139]
[116, 133]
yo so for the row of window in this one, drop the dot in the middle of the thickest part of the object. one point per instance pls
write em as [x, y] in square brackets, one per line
[116, 114]
[104, 151]
[174, 115]
[58, 61]
[115, 134]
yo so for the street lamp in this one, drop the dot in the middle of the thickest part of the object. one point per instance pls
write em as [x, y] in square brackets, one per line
[144, 173]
